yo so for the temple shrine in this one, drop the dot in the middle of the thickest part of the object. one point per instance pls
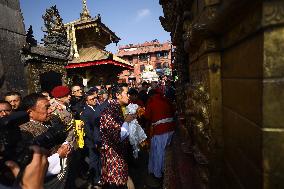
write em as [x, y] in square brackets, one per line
[91, 63]
[228, 56]
[45, 63]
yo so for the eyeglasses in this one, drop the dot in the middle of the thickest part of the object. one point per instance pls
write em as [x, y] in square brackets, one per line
[77, 90]
[94, 98]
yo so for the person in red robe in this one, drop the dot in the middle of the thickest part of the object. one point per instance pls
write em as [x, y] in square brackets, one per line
[160, 115]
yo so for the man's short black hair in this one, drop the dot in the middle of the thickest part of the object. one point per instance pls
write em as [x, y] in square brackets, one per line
[117, 89]
[30, 100]
[145, 84]
[5, 102]
[132, 91]
[93, 89]
[11, 93]
[76, 85]
[87, 94]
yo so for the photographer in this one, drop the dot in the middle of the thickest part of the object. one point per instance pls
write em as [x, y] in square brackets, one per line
[34, 173]
[37, 107]
[9, 139]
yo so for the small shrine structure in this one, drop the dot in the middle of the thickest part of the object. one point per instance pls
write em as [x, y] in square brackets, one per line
[91, 63]
[45, 64]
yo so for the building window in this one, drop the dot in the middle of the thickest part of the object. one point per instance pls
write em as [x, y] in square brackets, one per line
[142, 68]
[130, 59]
[143, 57]
[158, 55]
[162, 55]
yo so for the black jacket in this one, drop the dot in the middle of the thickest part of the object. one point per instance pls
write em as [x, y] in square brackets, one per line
[91, 118]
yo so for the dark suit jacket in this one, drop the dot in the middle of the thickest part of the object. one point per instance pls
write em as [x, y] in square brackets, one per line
[91, 120]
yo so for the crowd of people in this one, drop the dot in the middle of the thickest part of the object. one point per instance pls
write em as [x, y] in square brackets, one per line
[88, 133]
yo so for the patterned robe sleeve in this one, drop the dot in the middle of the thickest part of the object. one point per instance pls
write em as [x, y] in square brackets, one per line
[110, 128]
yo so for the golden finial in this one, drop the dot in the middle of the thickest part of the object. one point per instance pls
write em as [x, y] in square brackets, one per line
[85, 15]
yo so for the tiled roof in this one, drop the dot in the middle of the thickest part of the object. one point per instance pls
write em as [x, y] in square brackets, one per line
[47, 52]
[79, 21]
[147, 47]
[92, 54]
[96, 19]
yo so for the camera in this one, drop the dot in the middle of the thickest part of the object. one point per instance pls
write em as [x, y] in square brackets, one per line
[54, 136]
[14, 144]
[10, 133]
[9, 137]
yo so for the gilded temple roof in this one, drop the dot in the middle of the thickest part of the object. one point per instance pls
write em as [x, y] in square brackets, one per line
[92, 54]
[90, 23]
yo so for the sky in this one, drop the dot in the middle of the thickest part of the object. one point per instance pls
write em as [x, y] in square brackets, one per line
[134, 21]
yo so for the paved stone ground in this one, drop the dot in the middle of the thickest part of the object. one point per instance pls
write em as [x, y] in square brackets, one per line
[138, 171]
[179, 166]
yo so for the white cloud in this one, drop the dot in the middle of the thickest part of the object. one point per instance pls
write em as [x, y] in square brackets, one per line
[142, 13]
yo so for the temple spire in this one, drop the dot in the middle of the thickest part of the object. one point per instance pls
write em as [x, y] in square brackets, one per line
[85, 15]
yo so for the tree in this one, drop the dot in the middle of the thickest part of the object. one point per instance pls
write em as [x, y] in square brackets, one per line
[30, 37]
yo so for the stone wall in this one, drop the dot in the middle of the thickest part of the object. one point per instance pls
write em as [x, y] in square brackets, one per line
[12, 39]
[235, 95]
[252, 81]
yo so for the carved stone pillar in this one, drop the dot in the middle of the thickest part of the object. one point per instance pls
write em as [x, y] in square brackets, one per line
[204, 112]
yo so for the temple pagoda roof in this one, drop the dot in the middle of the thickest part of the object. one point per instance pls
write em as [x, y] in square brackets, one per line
[89, 44]
[93, 56]
[90, 23]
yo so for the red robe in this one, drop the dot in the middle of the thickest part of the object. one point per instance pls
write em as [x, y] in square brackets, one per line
[158, 108]
[114, 165]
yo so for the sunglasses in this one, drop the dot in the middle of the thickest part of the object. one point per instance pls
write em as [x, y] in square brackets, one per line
[94, 98]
